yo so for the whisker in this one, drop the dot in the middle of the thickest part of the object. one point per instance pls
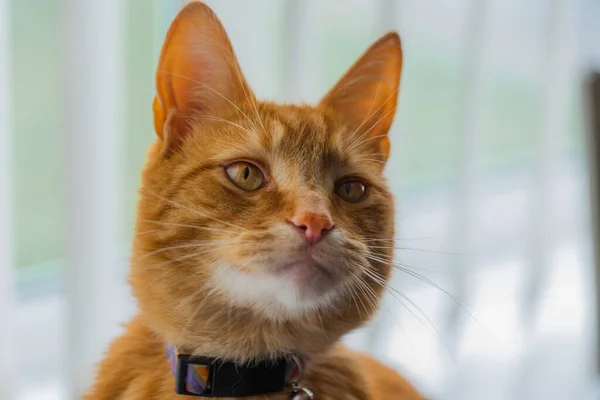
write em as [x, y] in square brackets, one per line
[396, 239]
[212, 118]
[188, 256]
[364, 138]
[352, 296]
[458, 301]
[389, 260]
[184, 246]
[249, 97]
[377, 154]
[372, 160]
[379, 279]
[395, 292]
[360, 298]
[404, 268]
[318, 312]
[360, 285]
[372, 113]
[372, 138]
[375, 276]
[211, 89]
[195, 211]
[431, 324]
[248, 261]
[370, 295]
[421, 250]
[359, 141]
[202, 228]
[167, 262]
[365, 157]
[192, 297]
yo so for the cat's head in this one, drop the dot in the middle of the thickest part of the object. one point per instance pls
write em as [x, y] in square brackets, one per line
[265, 225]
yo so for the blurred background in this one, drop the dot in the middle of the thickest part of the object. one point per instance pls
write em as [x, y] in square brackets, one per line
[489, 166]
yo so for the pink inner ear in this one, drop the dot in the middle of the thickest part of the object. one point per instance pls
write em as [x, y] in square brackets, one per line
[366, 96]
[198, 71]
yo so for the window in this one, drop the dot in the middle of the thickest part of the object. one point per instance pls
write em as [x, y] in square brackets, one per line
[488, 166]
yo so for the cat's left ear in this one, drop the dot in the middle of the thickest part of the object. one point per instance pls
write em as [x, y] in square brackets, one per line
[366, 96]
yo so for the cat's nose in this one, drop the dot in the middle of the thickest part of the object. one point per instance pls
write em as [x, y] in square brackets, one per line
[312, 225]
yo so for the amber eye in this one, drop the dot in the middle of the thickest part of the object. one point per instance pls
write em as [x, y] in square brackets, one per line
[245, 175]
[351, 190]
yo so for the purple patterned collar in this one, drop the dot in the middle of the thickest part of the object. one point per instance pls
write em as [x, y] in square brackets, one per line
[210, 377]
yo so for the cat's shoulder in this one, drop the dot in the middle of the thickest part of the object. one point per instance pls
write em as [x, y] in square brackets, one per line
[337, 373]
[343, 373]
[135, 367]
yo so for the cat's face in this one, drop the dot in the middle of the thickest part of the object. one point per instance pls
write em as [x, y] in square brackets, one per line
[278, 212]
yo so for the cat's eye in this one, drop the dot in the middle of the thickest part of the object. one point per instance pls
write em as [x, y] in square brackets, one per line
[351, 190]
[245, 175]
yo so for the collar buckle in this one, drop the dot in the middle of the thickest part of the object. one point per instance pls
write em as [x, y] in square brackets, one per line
[192, 377]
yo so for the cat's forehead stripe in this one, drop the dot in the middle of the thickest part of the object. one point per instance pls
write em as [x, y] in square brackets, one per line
[292, 126]
[278, 131]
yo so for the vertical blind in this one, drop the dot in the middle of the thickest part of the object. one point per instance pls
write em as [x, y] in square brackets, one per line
[488, 167]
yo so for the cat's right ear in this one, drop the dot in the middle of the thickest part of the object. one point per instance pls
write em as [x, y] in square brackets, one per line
[198, 74]
[366, 96]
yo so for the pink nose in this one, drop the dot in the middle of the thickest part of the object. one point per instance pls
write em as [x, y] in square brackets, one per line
[313, 225]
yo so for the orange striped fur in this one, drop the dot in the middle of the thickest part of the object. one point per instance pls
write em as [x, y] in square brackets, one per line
[213, 265]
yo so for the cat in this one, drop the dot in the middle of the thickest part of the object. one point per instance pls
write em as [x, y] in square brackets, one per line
[263, 231]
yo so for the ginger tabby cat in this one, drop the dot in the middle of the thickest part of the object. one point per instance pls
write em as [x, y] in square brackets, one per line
[259, 228]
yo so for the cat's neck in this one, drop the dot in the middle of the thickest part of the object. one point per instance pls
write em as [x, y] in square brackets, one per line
[238, 334]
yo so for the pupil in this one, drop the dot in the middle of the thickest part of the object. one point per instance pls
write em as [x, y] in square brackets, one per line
[246, 172]
[348, 187]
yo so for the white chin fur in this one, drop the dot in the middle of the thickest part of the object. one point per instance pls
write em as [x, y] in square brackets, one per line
[272, 295]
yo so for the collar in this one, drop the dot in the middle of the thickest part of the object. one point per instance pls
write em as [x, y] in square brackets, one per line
[212, 377]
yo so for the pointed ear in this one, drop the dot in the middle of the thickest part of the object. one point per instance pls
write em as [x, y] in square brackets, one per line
[366, 96]
[198, 74]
